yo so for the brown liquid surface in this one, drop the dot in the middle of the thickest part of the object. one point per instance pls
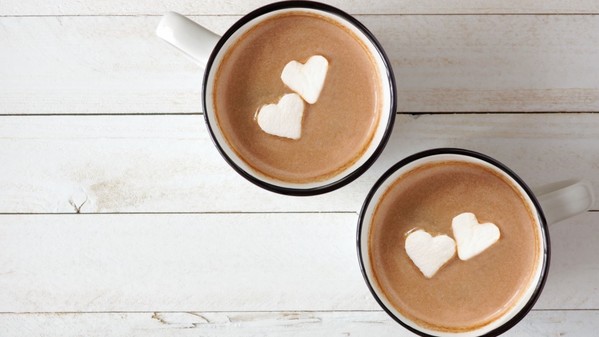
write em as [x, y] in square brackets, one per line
[462, 295]
[335, 130]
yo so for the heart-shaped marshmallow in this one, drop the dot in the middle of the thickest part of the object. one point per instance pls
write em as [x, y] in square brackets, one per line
[428, 253]
[283, 119]
[471, 237]
[306, 79]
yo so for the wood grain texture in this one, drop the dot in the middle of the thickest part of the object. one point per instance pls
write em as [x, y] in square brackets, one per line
[226, 262]
[168, 163]
[216, 7]
[454, 63]
[258, 324]
[180, 262]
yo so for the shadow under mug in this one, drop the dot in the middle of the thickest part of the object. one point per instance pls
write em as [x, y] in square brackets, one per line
[553, 204]
[208, 50]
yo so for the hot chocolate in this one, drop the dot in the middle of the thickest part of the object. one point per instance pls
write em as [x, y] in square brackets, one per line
[336, 130]
[462, 295]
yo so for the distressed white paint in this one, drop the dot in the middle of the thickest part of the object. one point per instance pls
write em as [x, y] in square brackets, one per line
[180, 262]
[258, 324]
[217, 7]
[225, 262]
[168, 163]
[442, 63]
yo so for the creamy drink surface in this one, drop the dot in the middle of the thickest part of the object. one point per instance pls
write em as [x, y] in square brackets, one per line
[462, 295]
[335, 130]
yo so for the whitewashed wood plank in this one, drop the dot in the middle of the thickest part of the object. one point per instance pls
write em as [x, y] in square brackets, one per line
[255, 324]
[94, 65]
[179, 262]
[225, 262]
[216, 7]
[168, 163]
[442, 63]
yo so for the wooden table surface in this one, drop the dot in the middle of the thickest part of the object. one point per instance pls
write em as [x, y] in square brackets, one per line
[119, 217]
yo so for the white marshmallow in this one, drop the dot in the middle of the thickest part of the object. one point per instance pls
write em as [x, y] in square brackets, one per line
[473, 238]
[428, 253]
[283, 119]
[306, 79]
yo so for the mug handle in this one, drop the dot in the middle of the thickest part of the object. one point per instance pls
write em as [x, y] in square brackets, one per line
[565, 199]
[192, 39]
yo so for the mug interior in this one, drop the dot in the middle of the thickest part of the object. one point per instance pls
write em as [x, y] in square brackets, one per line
[381, 132]
[510, 317]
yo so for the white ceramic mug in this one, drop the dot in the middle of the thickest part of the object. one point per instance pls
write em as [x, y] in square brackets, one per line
[550, 206]
[208, 50]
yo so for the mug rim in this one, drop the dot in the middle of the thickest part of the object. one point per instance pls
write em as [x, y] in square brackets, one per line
[469, 153]
[390, 80]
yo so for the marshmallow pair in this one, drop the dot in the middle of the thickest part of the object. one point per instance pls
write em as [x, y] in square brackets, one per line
[284, 119]
[430, 253]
